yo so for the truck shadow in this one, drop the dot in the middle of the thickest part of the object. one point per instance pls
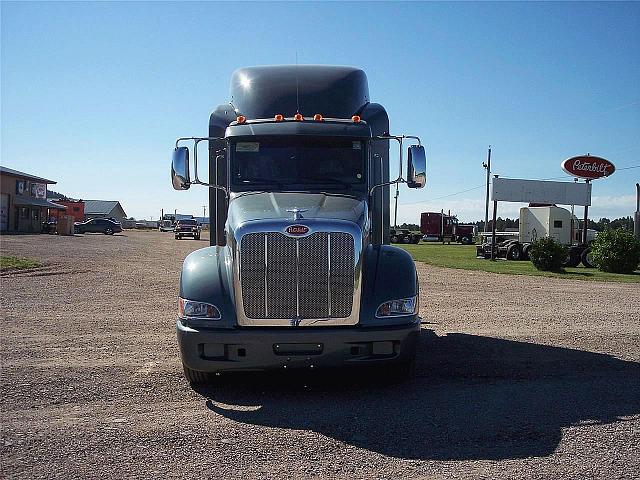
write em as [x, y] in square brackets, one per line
[472, 397]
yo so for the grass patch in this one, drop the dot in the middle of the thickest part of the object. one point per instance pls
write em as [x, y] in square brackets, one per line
[464, 257]
[15, 263]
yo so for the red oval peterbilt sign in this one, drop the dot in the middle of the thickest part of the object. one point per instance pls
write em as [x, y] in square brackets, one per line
[297, 230]
[586, 166]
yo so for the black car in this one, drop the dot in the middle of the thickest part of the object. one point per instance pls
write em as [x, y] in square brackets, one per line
[98, 225]
[187, 228]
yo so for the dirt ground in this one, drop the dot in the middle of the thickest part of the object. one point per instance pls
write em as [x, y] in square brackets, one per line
[517, 377]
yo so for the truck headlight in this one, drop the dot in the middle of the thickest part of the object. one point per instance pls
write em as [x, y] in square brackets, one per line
[397, 308]
[192, 309]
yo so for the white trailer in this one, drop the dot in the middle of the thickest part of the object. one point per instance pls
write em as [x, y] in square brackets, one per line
[539, 222]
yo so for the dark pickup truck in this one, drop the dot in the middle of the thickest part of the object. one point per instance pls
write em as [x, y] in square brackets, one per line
[187, 228]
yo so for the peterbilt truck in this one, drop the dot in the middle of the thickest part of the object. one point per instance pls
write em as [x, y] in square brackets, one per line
[441, 227]
[299, 273]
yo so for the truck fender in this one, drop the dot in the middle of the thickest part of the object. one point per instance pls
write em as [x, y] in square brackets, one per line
[207, 277]
[388, 273]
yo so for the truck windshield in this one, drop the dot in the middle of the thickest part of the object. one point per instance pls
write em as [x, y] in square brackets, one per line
[299, 161]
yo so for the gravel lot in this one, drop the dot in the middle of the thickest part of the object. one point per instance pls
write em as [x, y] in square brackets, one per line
[543, 382]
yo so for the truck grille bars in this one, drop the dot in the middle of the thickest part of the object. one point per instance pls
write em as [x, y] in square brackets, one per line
[309, 277]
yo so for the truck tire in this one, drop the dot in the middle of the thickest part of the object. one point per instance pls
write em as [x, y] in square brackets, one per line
[394, 239]
[586, 260]
[514, 252]
[195, 377]
[573, 258]
[177, 237]
[465, 240]
[525, 252]
[406, 239]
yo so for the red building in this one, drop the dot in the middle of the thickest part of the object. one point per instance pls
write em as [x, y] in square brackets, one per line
[75, 208]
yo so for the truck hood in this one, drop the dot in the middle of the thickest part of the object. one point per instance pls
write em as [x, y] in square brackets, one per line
[272, 206]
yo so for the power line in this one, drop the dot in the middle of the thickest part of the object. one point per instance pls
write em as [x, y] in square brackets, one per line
[445, 196]
[501, 176]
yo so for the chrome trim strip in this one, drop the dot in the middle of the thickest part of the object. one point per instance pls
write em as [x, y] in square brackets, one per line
[266, 276]
[298, 277]
[329, 272]
[315, 225]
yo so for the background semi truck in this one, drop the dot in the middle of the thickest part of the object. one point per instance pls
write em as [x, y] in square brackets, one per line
[543, 221]
[442, 227]
[299, 273]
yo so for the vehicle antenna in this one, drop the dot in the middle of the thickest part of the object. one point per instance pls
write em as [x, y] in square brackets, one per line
[297, 86]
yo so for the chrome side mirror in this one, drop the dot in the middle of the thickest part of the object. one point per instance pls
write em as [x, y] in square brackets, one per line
[416, 167]
[180, 169]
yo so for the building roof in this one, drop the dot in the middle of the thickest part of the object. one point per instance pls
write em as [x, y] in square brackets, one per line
[36, 202]
[11, 171]
[99, 207]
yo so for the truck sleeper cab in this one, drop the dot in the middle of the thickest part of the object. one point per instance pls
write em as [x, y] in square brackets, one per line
[299, 273]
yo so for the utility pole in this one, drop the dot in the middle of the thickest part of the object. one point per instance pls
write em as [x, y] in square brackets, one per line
[395, 217]
[636, 223]
[487, 167]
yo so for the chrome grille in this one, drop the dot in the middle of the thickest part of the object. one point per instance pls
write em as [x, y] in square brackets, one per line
[306, 278]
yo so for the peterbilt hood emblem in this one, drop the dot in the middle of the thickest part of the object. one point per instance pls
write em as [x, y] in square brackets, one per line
[297, 229]
[297, 213]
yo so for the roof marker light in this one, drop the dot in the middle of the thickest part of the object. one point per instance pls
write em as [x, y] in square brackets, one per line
[278, 117]
[318, 118]
[298, 117]
[241, 119]
[355, 119]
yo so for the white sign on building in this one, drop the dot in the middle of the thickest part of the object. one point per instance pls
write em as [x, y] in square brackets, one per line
[540, 191]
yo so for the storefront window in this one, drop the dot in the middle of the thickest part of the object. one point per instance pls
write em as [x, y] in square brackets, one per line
[24, 213]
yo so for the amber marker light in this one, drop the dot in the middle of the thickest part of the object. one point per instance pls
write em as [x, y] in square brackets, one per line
[241, 119]
[318, 118]
[298, 117]
[278, 118]
[355, 119]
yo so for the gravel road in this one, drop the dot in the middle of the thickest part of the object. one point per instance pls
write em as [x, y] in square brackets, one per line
[518, 377]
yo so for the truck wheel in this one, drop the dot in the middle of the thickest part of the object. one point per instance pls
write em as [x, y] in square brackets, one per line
[514, 252]
[586, 259]
[394, 239]
[406, 239]
[195, 377]
[573, 258]
[177, 237]
[465, 241]
[525, 252]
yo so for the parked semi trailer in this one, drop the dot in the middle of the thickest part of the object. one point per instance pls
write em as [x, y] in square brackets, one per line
[299, 273]
[543, 221]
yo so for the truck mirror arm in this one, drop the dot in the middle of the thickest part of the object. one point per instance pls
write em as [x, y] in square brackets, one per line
[399, 139]
[196, 180]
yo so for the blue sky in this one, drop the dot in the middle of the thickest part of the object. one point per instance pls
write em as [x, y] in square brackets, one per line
[94, 95]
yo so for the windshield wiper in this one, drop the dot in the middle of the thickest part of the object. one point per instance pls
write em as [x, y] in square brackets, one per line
[261, 181]
[327, 180]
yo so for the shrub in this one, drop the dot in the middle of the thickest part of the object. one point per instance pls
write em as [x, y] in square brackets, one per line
[548, 254]
[616, 251]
